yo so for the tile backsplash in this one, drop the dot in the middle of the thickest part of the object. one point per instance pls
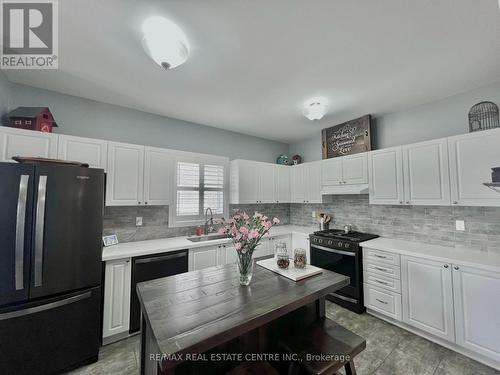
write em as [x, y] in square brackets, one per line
[428, 224]
[120, 220]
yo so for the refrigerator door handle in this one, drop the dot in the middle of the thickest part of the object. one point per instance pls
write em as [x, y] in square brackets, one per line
[20, 228]
[39, 230]
[49, 306]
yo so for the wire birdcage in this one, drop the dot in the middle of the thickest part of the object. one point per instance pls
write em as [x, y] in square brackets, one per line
[483, 116]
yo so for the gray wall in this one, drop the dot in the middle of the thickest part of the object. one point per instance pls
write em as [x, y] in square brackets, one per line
[438, 119]
[426, 224]
[87, 118]
[5, 88]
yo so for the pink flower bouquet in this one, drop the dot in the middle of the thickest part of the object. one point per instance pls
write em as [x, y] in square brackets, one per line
[246, 232]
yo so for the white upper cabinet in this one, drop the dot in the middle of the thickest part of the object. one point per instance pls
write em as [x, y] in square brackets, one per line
[257, 182]
[345, 170]
[313, 182]
[282, 180]
[94, 152]
[427, 293]
[355, 169]
[297, 182]
[28, 143]
[267, 184]
[477, 310]
[386, 176]
[426, 173]
[306, 183]
[471, 158]
[125, 178]
[332, 171]
[158, 176]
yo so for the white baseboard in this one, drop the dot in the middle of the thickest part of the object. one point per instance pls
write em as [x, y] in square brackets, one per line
[437, 340]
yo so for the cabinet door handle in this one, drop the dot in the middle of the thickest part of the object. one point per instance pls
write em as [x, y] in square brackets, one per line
[400, 202]
[380, 269]
[381, 282]
[380, 256]
[379, 300]
[456, 268]
[455, 202]
[445, 266]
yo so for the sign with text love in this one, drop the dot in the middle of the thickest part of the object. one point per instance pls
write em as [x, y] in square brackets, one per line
[351, 137]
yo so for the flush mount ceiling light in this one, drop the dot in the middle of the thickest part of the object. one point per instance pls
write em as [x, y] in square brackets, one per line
[315, 108]
[164, 42]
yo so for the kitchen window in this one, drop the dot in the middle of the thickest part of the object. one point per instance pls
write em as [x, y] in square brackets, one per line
[200, 183]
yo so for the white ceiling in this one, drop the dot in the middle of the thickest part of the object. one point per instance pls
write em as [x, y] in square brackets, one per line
[253, 63]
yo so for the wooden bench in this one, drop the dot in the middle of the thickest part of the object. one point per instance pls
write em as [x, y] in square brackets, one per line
[253, 368]
[329, 346]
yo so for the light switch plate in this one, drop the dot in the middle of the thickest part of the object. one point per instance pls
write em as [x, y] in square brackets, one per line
[460, 225]
[313, 214]
[138, 221]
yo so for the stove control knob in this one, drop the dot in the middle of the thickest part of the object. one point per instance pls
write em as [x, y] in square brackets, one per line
[330, 242]
[320, 241]
[340, 244]
[346, 245]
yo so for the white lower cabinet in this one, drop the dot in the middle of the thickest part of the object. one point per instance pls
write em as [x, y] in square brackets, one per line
[301, 241]
[383, 301]
[227, 254]
[116, 311]
[203, 257]
[428, 296]
[477, 310]
[263, 249]
[459, 304]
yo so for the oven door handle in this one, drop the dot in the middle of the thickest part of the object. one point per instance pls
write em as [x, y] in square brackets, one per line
[333, 250]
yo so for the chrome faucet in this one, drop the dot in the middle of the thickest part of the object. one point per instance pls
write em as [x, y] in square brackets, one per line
[208, 229]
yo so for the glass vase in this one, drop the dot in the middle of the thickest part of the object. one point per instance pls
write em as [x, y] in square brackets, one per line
[245, 266]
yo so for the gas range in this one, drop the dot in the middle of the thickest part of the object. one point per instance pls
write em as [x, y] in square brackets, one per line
[338, 234]
[338, 251]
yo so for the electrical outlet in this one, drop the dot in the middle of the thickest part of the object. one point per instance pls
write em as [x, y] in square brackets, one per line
[460, 225]
[138, 221]
[313, 214]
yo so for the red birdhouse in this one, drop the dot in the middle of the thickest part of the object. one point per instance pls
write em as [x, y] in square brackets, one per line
[32, 118]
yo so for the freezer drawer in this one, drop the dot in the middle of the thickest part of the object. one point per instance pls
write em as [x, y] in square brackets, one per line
[57, 335]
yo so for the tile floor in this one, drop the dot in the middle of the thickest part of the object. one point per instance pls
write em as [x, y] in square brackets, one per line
[390, 351]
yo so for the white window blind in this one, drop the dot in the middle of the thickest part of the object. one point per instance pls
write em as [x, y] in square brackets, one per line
[199, 185]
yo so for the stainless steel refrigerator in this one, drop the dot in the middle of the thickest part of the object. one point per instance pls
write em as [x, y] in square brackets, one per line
[50, 267]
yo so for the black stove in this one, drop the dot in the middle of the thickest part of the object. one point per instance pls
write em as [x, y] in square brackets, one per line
[338, 251]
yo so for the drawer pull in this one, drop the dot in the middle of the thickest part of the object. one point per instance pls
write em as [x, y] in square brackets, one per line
[380, 269]
[381, 282]
[379, 300]
[380, 256]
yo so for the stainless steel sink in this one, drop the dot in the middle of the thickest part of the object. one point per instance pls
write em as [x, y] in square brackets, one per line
[209, 237]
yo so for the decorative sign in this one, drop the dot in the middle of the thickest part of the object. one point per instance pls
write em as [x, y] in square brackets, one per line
[351, 137]
[110, 240]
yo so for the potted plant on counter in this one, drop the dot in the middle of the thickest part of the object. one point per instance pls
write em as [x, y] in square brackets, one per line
[246, 232]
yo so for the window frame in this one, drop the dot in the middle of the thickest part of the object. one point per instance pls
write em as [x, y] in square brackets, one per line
[176, 221]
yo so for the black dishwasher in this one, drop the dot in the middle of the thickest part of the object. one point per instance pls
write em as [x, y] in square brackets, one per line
[150, 267]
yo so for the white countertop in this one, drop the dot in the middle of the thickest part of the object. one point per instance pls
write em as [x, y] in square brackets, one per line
[164, 245]
[455, 255]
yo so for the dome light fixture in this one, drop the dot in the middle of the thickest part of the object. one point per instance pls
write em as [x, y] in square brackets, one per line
[315, 108]
[164, 42]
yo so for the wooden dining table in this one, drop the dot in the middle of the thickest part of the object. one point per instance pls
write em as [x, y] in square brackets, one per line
[207, 311]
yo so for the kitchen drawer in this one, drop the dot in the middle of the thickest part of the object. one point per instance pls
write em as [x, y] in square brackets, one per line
[382, 301]
[382, 269]
[381, 256]
[388, 283]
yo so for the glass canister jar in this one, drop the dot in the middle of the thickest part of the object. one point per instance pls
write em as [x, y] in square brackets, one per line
[282, 259]
[299, 258]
